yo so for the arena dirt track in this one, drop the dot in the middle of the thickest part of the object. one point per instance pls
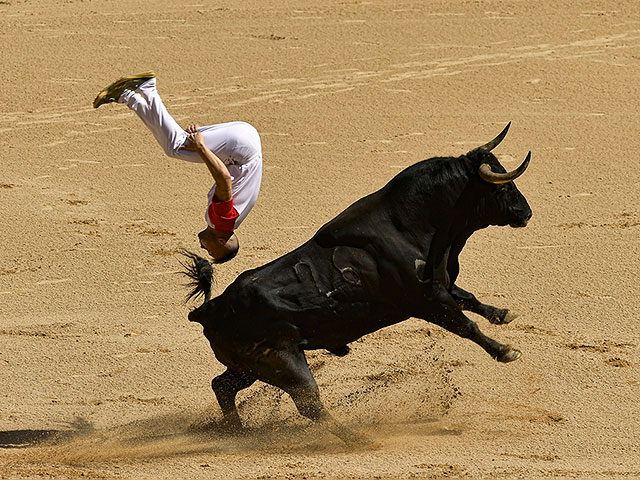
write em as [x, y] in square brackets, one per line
[95, 346]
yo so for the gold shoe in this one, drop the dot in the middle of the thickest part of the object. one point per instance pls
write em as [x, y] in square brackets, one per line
[112, 92]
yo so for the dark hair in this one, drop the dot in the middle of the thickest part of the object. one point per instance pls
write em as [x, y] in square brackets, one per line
[232, 243]
[227, 257]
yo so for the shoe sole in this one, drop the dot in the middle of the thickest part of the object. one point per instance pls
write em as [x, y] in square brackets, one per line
[102, 97]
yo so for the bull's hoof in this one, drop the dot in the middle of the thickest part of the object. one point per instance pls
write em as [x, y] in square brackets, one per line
[203, 427]
[348, 436]
[231, 427]
[360, 440]
[508, 354]
[503, 317]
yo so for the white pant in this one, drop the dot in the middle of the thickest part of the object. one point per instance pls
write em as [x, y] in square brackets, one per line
[237, 144]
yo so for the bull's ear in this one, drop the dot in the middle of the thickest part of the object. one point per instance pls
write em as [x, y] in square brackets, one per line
[496, 141]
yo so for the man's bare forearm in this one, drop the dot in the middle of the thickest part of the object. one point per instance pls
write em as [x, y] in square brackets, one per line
[216, 166]
[219, 173]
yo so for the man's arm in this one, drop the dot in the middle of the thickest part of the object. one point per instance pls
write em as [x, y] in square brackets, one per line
[217, 168]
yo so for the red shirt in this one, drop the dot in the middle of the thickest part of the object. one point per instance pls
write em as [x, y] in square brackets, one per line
[223, 215]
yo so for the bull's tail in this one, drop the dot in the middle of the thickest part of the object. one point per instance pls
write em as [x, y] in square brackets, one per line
[201, 274]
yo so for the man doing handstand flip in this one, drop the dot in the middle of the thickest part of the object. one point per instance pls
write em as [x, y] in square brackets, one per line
[232, 152]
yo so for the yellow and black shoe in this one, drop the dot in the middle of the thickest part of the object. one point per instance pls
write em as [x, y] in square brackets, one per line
[112, 92]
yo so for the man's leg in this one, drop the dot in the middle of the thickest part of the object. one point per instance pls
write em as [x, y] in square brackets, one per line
[148, 105]
[113, 91]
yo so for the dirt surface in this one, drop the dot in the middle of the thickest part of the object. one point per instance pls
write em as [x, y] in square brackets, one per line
[94, 337]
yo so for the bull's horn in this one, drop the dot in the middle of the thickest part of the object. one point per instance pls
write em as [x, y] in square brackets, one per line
[488, 176]
[496, 141]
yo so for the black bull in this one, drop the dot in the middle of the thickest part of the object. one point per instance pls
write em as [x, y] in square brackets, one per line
[390, 256]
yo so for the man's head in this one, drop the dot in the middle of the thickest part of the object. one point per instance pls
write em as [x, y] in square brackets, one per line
[222, 246]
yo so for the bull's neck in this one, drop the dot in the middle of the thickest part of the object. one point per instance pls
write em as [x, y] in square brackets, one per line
[429, 194]
[454, 210]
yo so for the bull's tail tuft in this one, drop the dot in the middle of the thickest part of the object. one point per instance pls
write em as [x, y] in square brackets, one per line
[200, 272]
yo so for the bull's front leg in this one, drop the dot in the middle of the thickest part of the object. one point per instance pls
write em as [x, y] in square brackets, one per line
[445, 312]
[468, 301]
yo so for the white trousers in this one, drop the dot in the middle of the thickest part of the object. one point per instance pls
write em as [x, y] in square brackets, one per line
[237, 144]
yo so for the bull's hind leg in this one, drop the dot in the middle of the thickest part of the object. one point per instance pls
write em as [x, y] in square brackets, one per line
[451, 318]
[468, 301]
[289, 371]
[226, 386]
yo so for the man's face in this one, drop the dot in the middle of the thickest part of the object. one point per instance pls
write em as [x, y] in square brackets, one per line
[220, 246]
[202, 245]
[212, 246]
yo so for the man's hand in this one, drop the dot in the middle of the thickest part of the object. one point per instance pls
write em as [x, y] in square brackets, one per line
[195, 139]
[217, 169]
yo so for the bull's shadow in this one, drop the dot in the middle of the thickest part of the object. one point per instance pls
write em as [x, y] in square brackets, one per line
[35, 437]
[182, 434]
[161, 437]
[157, 436]
[150, 430]
[29, 438]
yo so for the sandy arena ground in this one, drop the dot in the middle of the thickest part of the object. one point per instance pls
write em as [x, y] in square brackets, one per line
[94, 334]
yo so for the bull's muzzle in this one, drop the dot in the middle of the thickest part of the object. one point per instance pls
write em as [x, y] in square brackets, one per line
[522, 223]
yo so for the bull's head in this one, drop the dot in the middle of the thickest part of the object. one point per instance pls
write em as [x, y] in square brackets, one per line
[504, 203]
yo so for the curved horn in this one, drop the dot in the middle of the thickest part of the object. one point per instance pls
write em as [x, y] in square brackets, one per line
[496, 141]
[488, 176]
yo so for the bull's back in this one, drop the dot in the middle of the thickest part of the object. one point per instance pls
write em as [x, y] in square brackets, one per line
[344, 280]
[320, 291]
[310, 277]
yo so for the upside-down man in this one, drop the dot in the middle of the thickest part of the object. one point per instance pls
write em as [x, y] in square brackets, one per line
[232, 152]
